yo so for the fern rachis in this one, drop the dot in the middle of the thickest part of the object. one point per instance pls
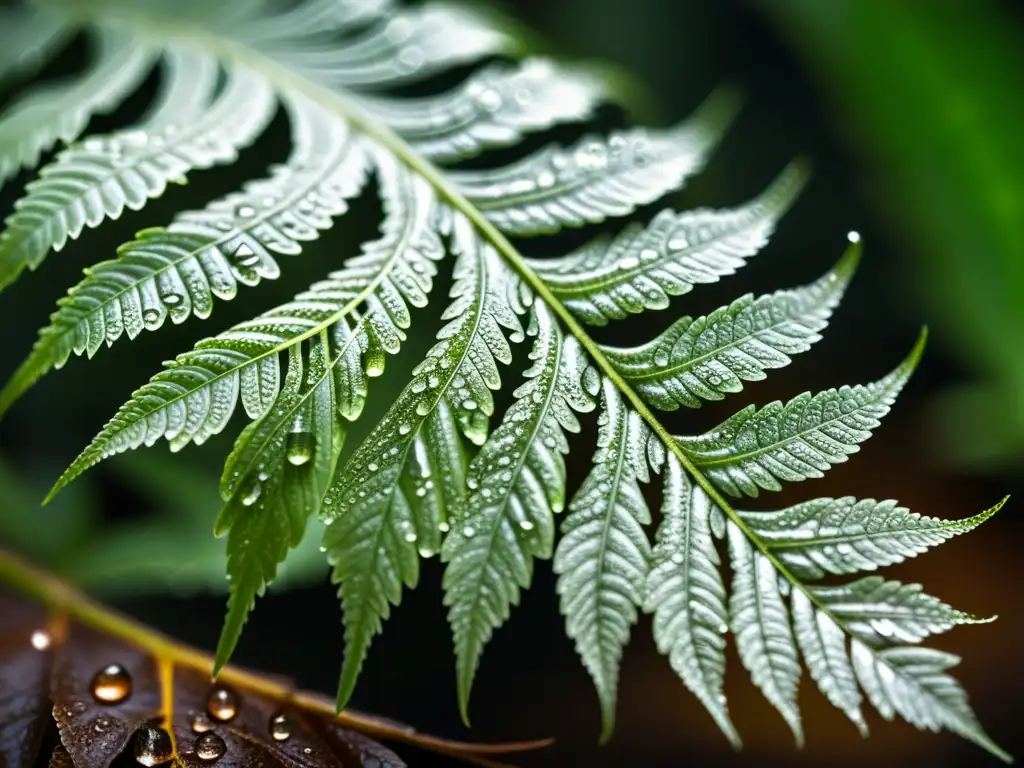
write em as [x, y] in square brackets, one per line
[409, 482]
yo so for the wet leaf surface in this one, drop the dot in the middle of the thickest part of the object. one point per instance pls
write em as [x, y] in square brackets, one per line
[113, 687]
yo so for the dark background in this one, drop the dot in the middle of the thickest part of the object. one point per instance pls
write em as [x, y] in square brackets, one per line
[530, 683]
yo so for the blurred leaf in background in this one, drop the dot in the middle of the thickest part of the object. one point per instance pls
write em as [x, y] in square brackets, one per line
[167, 545]
[932, 95]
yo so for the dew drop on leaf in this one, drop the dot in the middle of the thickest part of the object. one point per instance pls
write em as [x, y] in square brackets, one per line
[660, 359]
[111, 685]
[152, 746]
[245, 211]
[300, 447]
[281, 727]
[252, 494]
[245, 256]
[201, 724]
[171, 299]
[469, 532]
[629, 262]
[526, 525]
[102, 725]
[150, 316]
[210, 747]
[222, 704]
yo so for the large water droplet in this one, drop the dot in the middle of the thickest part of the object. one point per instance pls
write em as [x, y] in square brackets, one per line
[222, 704]
[152, 746]
[245, 211]
[210, 747]
[526, 525]
[150, 315]
[111, 685]
[629, 262]
[250, 496]
[300, 447]
[245, 256]
[489, 100]
[660, 359]
[469, 532]
[281, 727]
[171, 299]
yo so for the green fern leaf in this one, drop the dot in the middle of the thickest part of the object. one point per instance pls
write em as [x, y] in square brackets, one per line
[712, 356]
[518, 481]
[685, 593]
[603, 558]
[595, 179]
[99, 178]
[274, 480]
[823, 645]
[36, 121]
[760, 621]
[495, 108]
[193, 398]
[881, 612]
[643, 267]
[757, 449]
[367, 545]
[335, 66]
[846, 535]
[912, 683]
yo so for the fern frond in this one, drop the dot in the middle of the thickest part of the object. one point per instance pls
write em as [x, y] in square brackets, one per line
[604, 555]
[643, 267]
[496, 107]
[845, 535]
[59, 112]
[411, 489]
[685, 593]
[366, 506]
[912, 683]
[757, 449]
[517, 481]
[597, 178]
[712, 356]
[99, 178]
[274, 480]
[881, 612]
[193, 398]
[760, 621]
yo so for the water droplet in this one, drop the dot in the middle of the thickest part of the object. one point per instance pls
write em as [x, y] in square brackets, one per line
[853, 236]
[111, 685]
[307, 750]
[660, 359]
[281, 727]
[723, 628]
[245, 211]
[210, 747]
[300, 447]
[171, 299]
[245, 256]
[152, 746]
[422, 408]
[630, 262]
[557, 507]
[469, 404]
[546, 179]
[250, 496]
[410, 537]
[678, 243]
[591, 156]
[372, 467]
[648, 254]
[404, 429]
[677, 558]
[410, 59]
[469, 532]
[224, 226]
[443, 527]
[102, 724]
[222, 704]
[526, 525]
[201, 724]
[150, 316]
[489, 100]
[40, 640]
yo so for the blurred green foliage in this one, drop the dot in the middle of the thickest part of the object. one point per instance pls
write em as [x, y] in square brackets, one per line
[932, 95]
[165, 546]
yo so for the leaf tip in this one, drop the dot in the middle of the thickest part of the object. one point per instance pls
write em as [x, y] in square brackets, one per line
[847, 265]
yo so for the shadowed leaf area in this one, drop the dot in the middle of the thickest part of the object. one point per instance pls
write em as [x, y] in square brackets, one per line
[111, 688]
